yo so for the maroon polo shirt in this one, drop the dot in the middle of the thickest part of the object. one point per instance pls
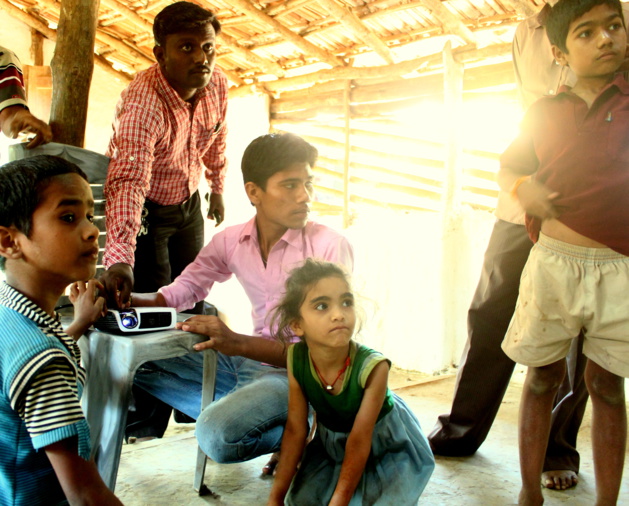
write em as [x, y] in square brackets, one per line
[584, 155]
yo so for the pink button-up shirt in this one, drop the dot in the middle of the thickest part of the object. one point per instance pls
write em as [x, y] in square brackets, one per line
[236, 251]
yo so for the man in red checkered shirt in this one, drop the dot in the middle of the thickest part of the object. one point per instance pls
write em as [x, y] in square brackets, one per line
[169, 128]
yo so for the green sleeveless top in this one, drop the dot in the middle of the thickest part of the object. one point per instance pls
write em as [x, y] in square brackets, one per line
[337, 412]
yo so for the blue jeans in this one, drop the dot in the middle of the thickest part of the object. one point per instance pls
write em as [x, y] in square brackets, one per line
[250, 405]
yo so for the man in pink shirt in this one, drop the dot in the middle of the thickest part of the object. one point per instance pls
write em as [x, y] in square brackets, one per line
[248, 416]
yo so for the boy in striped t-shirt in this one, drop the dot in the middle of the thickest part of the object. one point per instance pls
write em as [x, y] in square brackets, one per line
[47, 242]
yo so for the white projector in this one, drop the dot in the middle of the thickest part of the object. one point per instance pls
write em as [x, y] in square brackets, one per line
[137, 319]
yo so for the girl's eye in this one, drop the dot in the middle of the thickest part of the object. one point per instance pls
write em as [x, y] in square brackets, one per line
[68, 218]
[348, 302]
[615, 26]
[585, 34]
[90, 218]
[321, 307]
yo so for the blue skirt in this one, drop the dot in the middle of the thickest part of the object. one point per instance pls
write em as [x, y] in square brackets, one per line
[397, 470]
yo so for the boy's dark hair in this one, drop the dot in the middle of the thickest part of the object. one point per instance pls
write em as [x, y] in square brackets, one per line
[565, 12]
[182, 17]
[273, 153]
[297, 285]
[21, 184]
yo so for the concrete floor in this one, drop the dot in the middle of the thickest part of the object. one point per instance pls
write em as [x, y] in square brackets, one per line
[160, 472]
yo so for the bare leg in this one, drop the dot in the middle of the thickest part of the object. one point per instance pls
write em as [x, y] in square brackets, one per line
[609, 431]
[538, 395]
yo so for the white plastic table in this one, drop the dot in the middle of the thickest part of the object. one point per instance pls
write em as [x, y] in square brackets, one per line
[111, 362]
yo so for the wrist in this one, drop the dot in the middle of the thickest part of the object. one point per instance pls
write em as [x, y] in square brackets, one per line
[516, 185]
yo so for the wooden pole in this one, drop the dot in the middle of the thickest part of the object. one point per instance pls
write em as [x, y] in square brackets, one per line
[37, 47]
[453, 102]
[347, 148]
[72, 67]
[451, 256]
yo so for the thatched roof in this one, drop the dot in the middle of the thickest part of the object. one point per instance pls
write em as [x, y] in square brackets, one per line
[266, 43]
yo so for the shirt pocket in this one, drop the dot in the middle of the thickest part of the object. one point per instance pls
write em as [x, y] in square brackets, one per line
[617, 123]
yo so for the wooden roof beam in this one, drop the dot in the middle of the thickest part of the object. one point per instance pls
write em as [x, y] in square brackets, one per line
[233, 77]
[268, 66]
[285, 7]
[449, 21]
[352, 23]
[463, 54]
[104, 64]
[50, 34]
[301, 43]
[129, 14]
[126, 49]
[102, 37]
[522, 7]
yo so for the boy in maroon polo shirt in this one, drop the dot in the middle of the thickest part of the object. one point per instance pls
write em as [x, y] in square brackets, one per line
[569, 168]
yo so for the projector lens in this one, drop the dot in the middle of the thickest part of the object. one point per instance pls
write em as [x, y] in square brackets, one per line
[129, 320]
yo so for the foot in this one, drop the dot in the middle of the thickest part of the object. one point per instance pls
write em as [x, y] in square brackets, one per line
[532, 498]
[269, 468]
[560, 479]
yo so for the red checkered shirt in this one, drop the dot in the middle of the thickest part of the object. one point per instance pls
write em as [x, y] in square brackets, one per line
[159, 148]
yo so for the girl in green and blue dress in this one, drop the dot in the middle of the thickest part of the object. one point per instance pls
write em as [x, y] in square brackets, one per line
[368, 447]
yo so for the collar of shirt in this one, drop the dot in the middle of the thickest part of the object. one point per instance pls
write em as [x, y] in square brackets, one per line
[619, 82]
[21, 304]
[541, 18]
[173, 99]
[293, 237]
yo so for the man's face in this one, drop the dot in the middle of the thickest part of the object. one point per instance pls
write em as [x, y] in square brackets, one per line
[285, 202]
[187, 59]
[596, 43]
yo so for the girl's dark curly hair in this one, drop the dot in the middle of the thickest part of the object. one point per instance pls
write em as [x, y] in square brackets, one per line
[297, 285]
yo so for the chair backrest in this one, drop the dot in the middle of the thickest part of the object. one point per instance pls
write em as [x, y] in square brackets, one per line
[93, 164]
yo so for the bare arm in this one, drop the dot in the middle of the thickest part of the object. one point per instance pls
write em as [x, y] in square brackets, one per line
[293, 442]
[358, 444]
[536, 198]
[225, 340]
[16, 118]
[148, 299]
[79, 478]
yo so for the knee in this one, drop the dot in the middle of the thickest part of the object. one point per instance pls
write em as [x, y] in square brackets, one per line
[544, 380]
[212, 436]
[606, 387]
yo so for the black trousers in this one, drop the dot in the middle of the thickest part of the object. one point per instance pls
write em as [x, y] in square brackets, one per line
[174, 238]
[485, 370]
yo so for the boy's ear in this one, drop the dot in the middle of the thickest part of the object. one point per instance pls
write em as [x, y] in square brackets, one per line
[560, 56]
[296, 328]
[253, 192]
[9, 246]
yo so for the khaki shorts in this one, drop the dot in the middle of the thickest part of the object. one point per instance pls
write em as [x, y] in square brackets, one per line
[564, 289]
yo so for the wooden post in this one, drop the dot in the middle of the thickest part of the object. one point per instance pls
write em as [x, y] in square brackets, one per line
[453, 103]
[346, 158]
[37, 47]
[451, 244]
[72, 68]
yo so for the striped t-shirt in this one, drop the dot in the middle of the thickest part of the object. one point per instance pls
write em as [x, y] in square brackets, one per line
[11, 80]
[41, 383]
